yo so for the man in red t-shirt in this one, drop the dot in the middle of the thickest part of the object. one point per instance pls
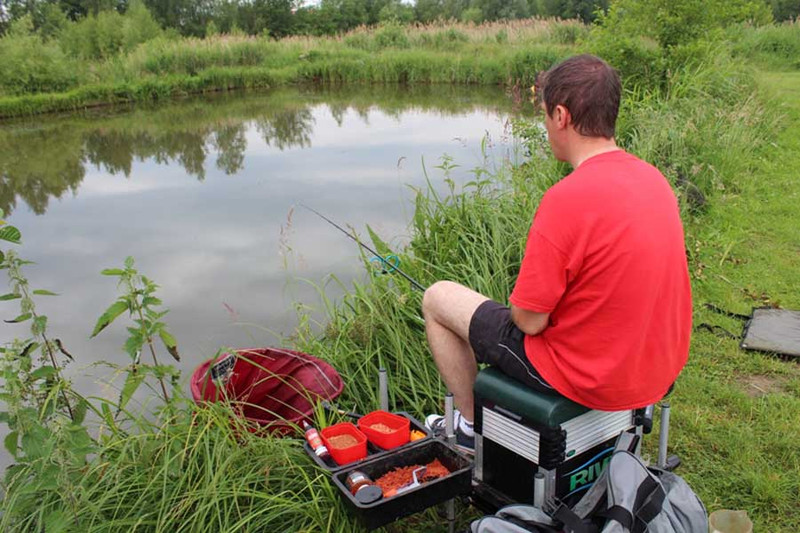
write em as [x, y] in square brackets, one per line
[601, 311]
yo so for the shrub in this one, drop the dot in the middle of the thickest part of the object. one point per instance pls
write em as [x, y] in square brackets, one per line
[30, 65]
[139, 26]
[675, 22]
[391, 35]
[639, 61]
[108, 33]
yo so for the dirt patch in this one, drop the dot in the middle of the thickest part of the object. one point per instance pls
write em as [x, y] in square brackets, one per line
[757, 386]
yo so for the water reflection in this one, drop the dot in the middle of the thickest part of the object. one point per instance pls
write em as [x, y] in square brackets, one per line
[42, 159]
[199, 192]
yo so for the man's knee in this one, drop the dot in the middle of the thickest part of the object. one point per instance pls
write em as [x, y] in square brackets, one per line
[434, 296]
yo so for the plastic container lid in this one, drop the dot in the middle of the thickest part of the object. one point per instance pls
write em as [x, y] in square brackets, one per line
[348, 454]
[400, 429]
[368, 494]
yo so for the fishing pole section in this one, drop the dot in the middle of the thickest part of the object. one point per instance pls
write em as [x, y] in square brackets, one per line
[387, 264]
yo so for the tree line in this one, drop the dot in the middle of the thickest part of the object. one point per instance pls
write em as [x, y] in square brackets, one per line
[279, 18]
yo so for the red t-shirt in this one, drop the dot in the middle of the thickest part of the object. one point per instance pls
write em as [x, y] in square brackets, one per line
[605, 257]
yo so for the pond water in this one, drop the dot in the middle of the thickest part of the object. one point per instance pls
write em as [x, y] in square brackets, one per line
[204, 194]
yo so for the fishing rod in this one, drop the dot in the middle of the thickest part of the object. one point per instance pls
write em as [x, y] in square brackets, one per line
[389, 266]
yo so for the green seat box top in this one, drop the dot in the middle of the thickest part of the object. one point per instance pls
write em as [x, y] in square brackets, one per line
[550, 410]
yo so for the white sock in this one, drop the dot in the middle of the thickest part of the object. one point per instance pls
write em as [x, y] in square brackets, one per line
[465, 426]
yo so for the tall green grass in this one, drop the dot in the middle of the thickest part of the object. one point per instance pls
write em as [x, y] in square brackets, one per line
[194, 470]
[777, 46]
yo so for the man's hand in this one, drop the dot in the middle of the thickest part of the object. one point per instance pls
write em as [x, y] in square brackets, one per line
[530, 322]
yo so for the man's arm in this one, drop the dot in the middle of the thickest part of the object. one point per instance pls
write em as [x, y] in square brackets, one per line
[529, 322]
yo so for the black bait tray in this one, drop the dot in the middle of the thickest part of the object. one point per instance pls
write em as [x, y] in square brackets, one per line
[373, 451]
[430, 493]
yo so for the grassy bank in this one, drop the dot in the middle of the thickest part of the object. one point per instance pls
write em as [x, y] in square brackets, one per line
[499, 53]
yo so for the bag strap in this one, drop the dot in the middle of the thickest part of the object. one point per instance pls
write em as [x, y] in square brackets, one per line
[531, 525]
[712, 307]
[619, 514]
[652, 503]
[572, 522]
[719, 330]
[647, 504]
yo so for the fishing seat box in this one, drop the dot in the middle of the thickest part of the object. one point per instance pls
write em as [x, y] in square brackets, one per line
[519, 432]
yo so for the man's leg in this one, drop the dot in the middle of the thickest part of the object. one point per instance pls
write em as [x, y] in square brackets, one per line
[448, 308]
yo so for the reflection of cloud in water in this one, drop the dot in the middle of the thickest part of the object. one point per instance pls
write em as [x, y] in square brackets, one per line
[103, 185]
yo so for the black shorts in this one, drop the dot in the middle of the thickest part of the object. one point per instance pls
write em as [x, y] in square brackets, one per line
[497, 341]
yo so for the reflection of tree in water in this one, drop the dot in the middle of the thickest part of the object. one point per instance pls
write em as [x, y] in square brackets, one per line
[37, 165]
[40, 163]
[287, 129]
[231, 143]
[45, 157]
[115, 150]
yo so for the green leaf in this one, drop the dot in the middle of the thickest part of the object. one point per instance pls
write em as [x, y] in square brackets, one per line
[43, 372]
[37, 442]
[28, 349]
[79, 411]
[170, 342]
[380, 245]
[109, 418]
[133, 345]
[116, 309]
[2, 256]
[10, 443]
[39, 325]
[151, 300]
[78, 441]
[43, 292]
[132, 383]
[167, 338]
[129, 262]
[10, 234]
[9, 296]
[21, 318]
[112, 272]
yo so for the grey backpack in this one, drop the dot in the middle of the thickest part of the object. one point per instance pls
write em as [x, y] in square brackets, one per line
[628, 497]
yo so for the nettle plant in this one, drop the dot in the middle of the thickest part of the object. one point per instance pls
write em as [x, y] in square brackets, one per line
[45, 418]
[139, 301]
[49, 438]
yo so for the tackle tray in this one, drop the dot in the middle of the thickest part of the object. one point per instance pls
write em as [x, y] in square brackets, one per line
[387, 510]
[373, 451]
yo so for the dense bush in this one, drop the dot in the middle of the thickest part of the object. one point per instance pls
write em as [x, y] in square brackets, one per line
[30, 65]
[640, 61]
[108, 33]
[675, 22]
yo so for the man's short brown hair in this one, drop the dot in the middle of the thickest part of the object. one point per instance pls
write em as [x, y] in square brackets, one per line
[589, 88]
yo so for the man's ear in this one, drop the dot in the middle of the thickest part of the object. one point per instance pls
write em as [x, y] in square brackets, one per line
[562, 116]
